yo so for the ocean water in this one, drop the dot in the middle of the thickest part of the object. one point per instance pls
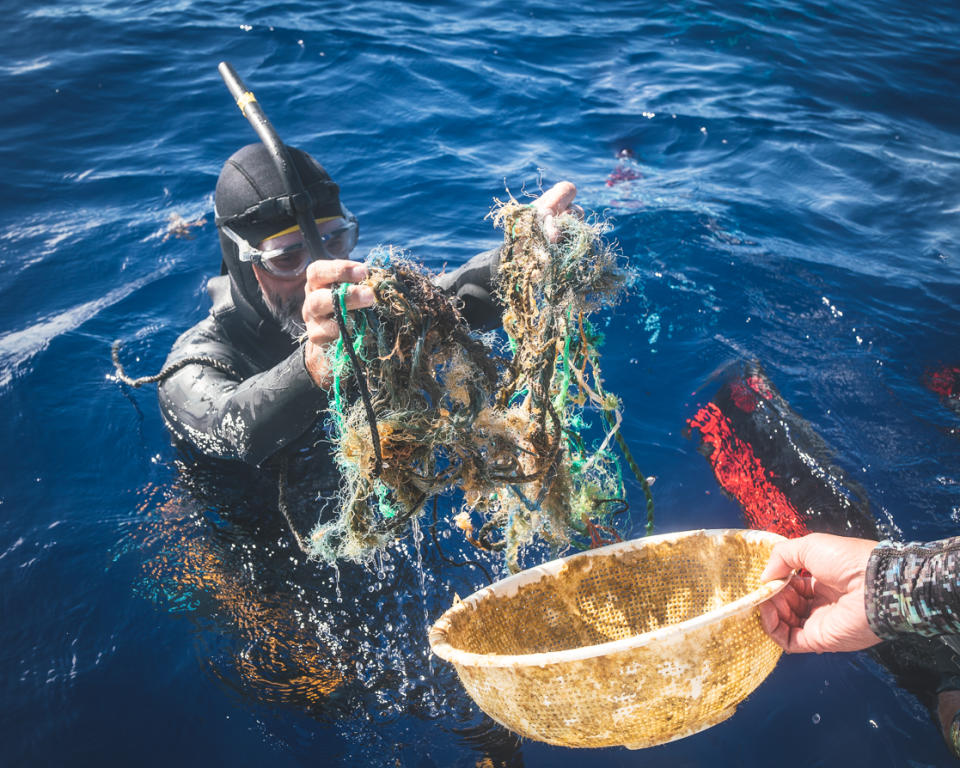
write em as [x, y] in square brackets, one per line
[783, 176]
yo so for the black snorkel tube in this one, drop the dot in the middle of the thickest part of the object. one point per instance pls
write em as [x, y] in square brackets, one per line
[298, 199]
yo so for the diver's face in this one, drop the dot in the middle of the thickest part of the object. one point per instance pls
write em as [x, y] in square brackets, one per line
[282, 294]
[284, 298]
[283, 278]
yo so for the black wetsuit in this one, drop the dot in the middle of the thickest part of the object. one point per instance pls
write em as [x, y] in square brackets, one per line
[260, 398]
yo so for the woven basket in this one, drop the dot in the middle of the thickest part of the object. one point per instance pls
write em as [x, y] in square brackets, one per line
[633, 644]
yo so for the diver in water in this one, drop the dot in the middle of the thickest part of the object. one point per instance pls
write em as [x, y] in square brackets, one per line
[247, 385]
[243, 395]
[253, 375]
[255, 388]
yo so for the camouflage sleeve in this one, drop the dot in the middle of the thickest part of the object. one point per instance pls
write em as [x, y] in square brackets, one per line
[914, 588]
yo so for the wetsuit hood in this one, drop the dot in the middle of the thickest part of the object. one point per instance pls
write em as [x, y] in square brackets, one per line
[250, 200]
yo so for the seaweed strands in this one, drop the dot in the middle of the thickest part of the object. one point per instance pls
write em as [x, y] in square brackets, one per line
[421, 405]
[548, 291]
[428, 379]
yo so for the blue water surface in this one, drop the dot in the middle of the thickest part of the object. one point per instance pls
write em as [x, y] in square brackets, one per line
[793, 196]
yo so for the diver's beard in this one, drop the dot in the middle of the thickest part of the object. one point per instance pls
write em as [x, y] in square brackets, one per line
[287, 312]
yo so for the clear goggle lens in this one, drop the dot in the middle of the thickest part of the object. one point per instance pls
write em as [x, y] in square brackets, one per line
[292, 259]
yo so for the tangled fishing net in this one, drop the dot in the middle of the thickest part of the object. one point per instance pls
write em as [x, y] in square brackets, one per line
[420, 404]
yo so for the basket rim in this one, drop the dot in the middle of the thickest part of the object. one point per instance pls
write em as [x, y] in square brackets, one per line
[442, 648]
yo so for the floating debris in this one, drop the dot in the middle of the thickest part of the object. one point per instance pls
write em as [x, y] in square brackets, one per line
[179, 227]
[421, 405]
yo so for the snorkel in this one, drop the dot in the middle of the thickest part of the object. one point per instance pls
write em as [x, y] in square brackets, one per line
[297, 202]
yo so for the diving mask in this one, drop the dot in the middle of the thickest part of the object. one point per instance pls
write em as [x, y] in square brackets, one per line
[289, 256]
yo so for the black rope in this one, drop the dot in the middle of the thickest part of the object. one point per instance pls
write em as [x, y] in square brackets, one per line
[168, 370]
[361, 378]
[282, 502]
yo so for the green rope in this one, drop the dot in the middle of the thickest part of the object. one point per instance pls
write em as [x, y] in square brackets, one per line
[341, 360]
[560, 401]
[351, 345]
[625, 449]
[387, 508]
[339, 363]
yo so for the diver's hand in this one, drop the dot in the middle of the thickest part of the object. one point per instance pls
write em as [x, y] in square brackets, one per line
[556, 200]
[322, 328]
[823, 611]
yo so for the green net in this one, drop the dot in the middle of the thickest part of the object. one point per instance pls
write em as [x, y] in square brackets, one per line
[421, 405]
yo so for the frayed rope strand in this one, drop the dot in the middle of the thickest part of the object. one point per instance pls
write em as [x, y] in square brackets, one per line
[167, 370]
[625, 449]
[340, 315]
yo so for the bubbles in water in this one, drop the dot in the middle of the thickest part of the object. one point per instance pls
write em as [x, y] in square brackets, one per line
[816, 718]
[837, 313]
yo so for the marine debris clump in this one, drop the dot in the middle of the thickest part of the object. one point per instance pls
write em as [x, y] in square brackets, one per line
[421, 405]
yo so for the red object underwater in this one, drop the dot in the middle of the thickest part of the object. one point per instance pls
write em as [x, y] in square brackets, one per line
[781, 473]
[769, 460]
[945, 382]
[622, 173]
[625, 170]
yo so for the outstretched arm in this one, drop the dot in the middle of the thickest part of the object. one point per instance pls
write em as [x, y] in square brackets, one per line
[914, 588]
[855, 592]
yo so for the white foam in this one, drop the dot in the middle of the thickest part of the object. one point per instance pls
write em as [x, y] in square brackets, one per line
[18, 347]
[22, 67]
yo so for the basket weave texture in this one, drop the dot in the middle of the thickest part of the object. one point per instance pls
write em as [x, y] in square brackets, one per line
[633, 644]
